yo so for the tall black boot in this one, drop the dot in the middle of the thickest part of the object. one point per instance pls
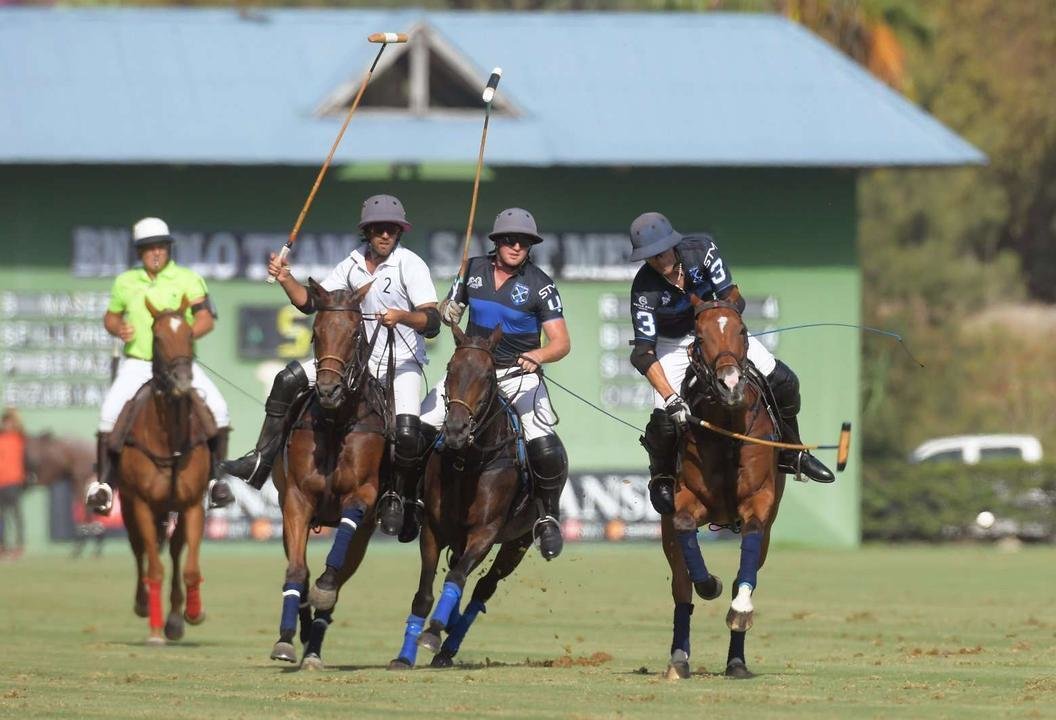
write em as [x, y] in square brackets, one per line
[661, 442]
[99, 497]
[220, 494]
[255, 466]
[407, 447]
[785, 385]
[549, 464]
[413, 507]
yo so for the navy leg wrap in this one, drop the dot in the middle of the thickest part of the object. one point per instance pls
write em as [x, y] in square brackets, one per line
[751, 550]
[291, 606]
[409, 651]
[448, 604]
[736, 646]
[687, 540]
[457, 630]
[318, 632]
[350, 521]
[680, 639]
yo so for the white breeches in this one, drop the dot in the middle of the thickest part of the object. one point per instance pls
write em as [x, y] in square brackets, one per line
[527, 395]
[673, 355]
[133, 372]
[407, 387]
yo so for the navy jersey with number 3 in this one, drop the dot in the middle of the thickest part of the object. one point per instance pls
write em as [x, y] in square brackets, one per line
[660, 309]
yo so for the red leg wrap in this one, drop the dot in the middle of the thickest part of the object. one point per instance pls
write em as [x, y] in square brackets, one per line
[194, 601]
[154, 603]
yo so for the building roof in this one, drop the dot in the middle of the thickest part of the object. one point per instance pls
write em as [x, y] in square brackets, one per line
[215, 86]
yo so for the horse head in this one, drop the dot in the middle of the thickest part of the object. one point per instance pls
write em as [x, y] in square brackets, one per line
[470, 386]
[173, 348]
[720, 350]
[336, 338]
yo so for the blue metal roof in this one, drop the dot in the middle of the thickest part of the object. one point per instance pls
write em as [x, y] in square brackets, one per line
[208, 86]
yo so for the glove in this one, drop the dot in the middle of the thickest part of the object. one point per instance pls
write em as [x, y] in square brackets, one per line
[451, 311]
[677, 409]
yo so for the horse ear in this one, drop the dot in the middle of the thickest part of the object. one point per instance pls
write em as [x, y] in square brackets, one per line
[495, 336]
[362, 292]
[184, 304]
[460, 336]
[154, 312]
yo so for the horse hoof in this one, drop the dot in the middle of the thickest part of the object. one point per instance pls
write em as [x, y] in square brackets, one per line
[284, 651]
[155, 641]
[140, 609]
[678, 668]
[195, 620]
[400, 664]
[430, 641]
[322, 599]
[174, 627]
[709, 589]
[443, 659]
[312, 662]
[739, 621]
[737, 670]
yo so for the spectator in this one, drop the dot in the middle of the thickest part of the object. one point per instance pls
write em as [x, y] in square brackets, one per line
[12, 480]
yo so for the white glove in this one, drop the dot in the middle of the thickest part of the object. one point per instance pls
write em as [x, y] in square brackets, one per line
[677, 409]
[451, 311]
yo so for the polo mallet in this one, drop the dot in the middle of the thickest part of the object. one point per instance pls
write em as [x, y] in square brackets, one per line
[487, 96]
[385, 39]
[842, 447]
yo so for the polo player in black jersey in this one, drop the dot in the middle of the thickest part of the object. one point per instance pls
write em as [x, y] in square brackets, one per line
[505, 288]
[677, 266]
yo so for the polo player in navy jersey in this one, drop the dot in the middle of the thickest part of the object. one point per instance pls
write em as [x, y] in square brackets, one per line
[505, 288]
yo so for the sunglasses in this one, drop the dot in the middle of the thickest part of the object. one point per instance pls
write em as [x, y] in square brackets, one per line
[391, 229]
[513, 241]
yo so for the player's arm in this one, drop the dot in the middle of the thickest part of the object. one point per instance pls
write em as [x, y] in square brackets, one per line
[424, 319]
[558, 344]
[733, 295]
[203, 320]
[115, 324]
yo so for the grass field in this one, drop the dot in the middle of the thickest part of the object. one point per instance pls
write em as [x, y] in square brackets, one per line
[921, 632]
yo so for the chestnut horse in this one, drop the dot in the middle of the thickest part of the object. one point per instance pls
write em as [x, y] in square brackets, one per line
[164, 467]
[331, 467]
[722, 482]
[471, 488]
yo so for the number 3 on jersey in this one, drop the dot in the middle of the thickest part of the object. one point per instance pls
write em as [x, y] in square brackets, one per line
[644, 321]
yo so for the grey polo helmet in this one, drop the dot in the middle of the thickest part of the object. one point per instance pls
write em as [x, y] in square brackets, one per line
[652, 234]
[515, 221]
[150, 231]
[383, 209]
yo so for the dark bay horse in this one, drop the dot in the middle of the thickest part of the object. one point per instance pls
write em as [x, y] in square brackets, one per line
[722, 481]
[164, 467]
[52, 459]
[330, 472]
[471, 488]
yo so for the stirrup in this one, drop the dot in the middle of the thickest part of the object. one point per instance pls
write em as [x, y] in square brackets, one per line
[100, 506]
[385, 513]
[538, 528]
[795, 469]
[219, 498]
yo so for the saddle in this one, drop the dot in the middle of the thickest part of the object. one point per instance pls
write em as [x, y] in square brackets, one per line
[203, 425]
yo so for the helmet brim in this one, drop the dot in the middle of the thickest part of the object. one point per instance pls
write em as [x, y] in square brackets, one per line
[655, 248]
[152, 240]
[404, 225]
[494, 236]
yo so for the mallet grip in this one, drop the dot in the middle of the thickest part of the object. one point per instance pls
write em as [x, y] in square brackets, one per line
[493, 83]
[387, 37]
[282, 256]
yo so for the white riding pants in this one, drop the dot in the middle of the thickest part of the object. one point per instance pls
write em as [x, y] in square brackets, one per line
[527, 395]
[406, 388]
[133, 372]
[673, 354]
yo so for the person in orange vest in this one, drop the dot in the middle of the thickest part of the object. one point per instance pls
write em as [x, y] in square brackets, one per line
[12, 480]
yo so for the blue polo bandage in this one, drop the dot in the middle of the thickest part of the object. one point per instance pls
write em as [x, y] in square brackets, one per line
[680, 638]
[350, 520]
[291, 606]
[409, 651]
[751, 551]
[456, 632]
[687, 540]
[449, 598]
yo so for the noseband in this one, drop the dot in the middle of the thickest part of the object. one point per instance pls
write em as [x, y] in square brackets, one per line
[346, 368]
[708, 371]
[164, 370]
[484, 407]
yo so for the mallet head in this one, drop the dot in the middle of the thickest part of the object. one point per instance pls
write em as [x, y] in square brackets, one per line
[387, 37]
[493, 82]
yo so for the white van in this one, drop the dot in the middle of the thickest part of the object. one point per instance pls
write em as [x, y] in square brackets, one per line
[970, 449]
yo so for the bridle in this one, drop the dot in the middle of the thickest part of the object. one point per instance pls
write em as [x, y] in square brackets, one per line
[345, 369]
[164, 370]
[708, 371]
[479, 416]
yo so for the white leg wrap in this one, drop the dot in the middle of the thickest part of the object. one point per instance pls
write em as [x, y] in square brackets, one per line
[743, 602]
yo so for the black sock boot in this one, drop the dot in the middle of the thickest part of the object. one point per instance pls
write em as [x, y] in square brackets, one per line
[549, 465]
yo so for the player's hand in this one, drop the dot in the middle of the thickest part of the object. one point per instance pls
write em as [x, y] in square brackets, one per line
[127, 332]
[279, 268]
[451, 311]
[677, 409]
[391, 317]
[529, 361]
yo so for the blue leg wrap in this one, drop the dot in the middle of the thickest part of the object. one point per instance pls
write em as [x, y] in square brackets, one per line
[449, 598]
[318, 632]
[736, 646]
[687, 540]
[680, 639]
[751, 550]
[350, 521]
[409, 651]
[457, 630]
[291, 606]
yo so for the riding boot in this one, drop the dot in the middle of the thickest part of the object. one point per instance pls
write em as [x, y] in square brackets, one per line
[661, 442]
[406, 449]
[414, 508]
[549, 465]
[785, 385]
[255, 466]
[220, 494]
[99, 497]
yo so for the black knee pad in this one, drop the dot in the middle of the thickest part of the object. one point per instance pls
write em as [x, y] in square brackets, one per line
[409, 441]
[288, 382]
[549, 462]
[661, 434]
[785, 385]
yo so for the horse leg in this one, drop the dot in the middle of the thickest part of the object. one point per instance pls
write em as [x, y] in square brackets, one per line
[429, 549]
[756, 511]
[193, 521]
[682, 595]
[323, 594]
[296, 511]
[135, 539]
[506, 561]
[148, 528]
[685, 522]
[174, 622]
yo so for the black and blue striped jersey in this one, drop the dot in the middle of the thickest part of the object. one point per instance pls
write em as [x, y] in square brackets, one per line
[660, 309]
[521, 305]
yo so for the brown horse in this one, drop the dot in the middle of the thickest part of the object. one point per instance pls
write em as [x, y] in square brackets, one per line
[471, 489]
[722, 482]
[164, 468]
[331, 469]
[52, 459]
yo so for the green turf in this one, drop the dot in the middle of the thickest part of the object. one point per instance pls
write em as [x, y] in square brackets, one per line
[957, 632]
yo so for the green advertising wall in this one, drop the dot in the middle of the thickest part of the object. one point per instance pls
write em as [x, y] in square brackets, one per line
[787, 235]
